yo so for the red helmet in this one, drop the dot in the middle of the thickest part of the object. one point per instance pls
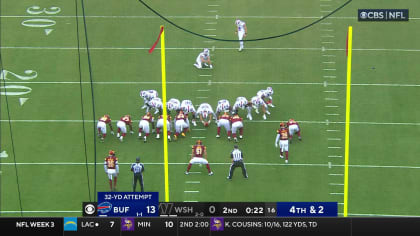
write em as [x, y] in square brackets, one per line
[281, 124]
[112, 152]
[199, 142]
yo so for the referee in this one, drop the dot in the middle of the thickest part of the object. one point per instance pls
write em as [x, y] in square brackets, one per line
[138, 169]
[237, 161]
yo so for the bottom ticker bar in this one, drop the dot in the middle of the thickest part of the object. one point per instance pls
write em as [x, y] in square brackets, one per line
[176, 226]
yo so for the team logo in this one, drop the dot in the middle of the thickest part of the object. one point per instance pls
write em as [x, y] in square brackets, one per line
[70, 223]
[127, 224]
[217, 224]
[89, 208]
[104, 207]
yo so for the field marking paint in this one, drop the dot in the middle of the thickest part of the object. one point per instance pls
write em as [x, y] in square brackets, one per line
[336, 184]
[335, 156]
[192, 182]
[221, 163]
[4, 154]
[235, 49]
[347, 125]
[191, 191]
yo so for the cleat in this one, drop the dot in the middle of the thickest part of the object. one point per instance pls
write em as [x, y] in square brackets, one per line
[240, 136]
[157, 136]
[121, 138]
[250, 117]
[211, 66]
[271, 105]
[139, 135]
[281, 156]
[112, 132]
[228, 178]
[131, 132]
[102, 139]
[118, 135]
[169, 138]
[229, 138]
[264, 117]
[300, 138]
[187, 173]
[197, 66]
[267, 112]
[145, 139]
[211, 173]
[286, 161]
[236, 140]
[182, 134]
[217, 136]
[256, 111]
[240, 49]
[246, 177]
[143, 107]
[175, 137]
[194, 123]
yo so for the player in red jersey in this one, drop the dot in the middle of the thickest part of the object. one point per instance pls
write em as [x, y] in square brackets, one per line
[144, 125]
[159, 125]
[294, 128]
[224, 120]
[111, 169]
[122, 126]
[180, 124]
[283, 136]
[199, 156]
[101, 126]
[236, 121]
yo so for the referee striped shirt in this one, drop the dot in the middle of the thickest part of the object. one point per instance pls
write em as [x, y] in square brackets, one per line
[137, 168]
[236, 155]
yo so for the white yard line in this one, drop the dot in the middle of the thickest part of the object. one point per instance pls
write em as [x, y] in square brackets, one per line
[235, 49]
[220, 163]
[247, 121]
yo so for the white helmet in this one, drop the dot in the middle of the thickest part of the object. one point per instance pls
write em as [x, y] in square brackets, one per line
[206, 51]
[237, 22]
[270, 90]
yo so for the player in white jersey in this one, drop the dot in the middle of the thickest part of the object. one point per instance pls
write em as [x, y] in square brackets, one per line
[222, 106]
[258, 102]
[266, 93]
[241, 31]
[173, 105]
[156, 103]
[203, 59]
[242, 103]
[188, 107]
[205, 113]
[147, 95]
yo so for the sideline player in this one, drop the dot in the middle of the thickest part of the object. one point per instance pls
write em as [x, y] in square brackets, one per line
[144, 125]
[203, 59]
[101, 126]
[283, 136]
[224, 121]
[205, 113]
[294, 128]
[241, 31]
[199, 156]
[122, 126]
[111, 169]
[159, 125]
[237, 125]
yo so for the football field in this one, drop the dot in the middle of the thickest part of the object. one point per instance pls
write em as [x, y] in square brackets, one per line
[66, 63]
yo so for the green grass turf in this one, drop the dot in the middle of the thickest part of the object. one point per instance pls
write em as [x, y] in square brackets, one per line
[292, 65]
